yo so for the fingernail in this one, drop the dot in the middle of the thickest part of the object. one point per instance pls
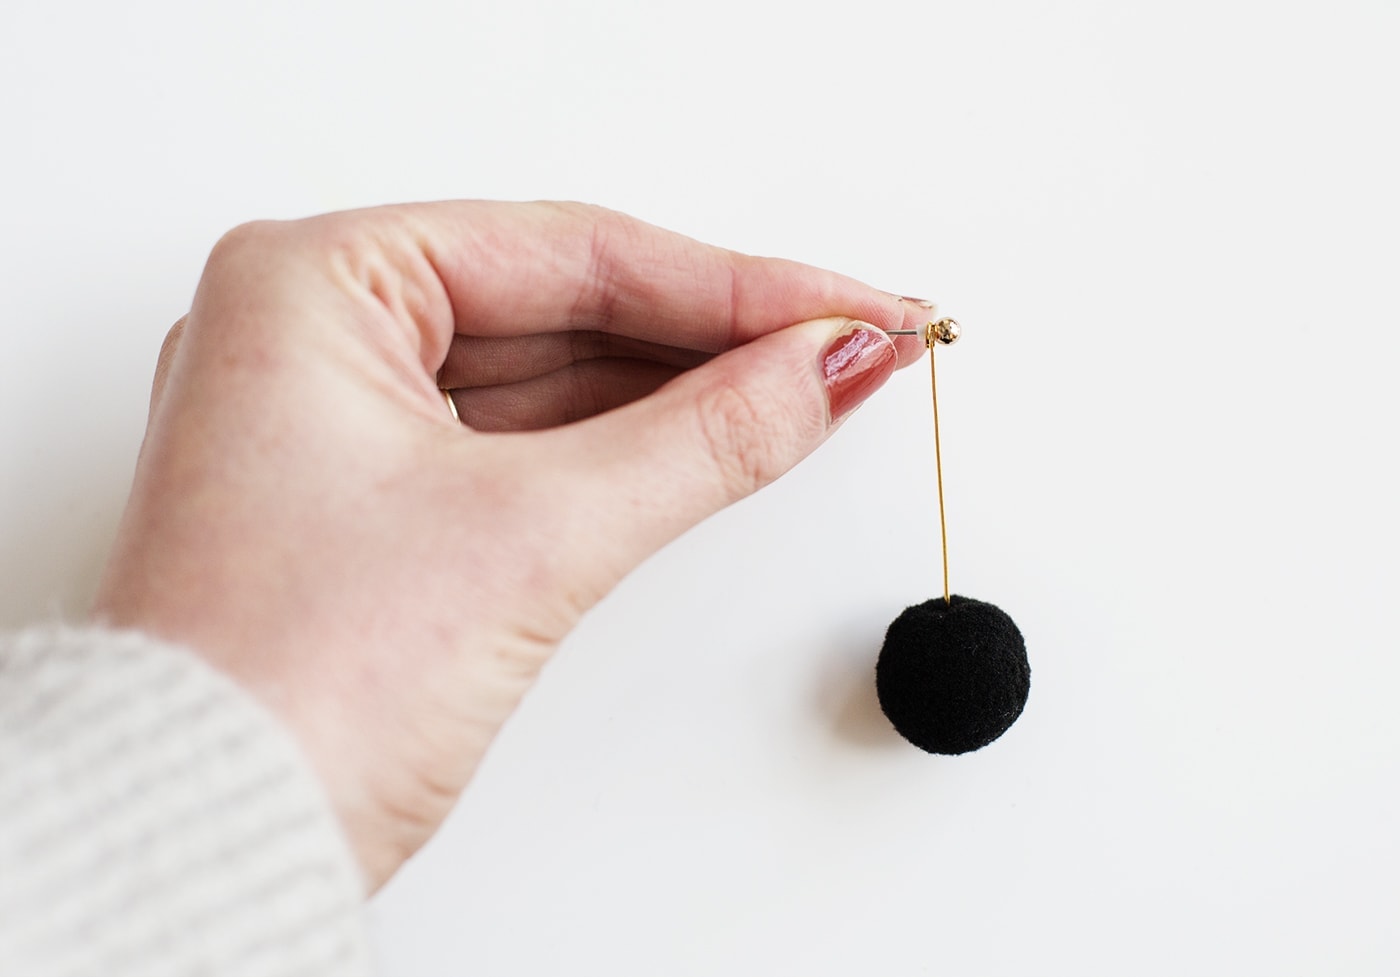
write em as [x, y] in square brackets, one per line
[921, 303]
[854, 365]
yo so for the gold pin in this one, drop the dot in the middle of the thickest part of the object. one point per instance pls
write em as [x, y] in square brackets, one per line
[944, 332]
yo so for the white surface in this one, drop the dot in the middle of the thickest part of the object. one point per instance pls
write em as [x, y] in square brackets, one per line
[1170, 234]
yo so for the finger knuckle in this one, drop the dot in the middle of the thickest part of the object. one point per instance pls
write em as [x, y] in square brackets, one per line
[377, 257]
[268, 245]
[239, 242]
[584, 213]
[743, 435]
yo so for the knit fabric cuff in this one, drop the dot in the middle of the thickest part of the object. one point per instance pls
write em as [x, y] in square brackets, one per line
[155, 820]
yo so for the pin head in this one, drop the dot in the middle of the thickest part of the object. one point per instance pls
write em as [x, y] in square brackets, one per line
[944, 332]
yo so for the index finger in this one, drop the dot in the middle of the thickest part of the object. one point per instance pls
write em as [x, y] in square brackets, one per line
[511, 269]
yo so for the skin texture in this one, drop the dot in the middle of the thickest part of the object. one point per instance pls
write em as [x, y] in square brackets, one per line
[308, 518]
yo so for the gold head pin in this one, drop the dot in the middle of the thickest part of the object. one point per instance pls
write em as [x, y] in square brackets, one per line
[944, 332]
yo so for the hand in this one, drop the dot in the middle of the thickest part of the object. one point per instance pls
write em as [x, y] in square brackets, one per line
[308, 517]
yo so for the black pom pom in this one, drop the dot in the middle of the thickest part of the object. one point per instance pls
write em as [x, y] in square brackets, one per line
[952, 677]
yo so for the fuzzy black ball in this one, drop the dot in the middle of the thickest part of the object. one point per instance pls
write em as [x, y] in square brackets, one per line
[952, 677]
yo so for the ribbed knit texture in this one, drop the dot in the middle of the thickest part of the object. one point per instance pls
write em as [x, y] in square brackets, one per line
[155, 821]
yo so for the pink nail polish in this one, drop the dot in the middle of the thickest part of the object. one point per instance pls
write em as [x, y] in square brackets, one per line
[854, 365]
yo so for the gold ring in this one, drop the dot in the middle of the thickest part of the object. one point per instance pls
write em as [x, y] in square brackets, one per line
[452, 406]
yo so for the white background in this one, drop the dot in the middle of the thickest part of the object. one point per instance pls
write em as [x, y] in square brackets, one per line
[1170, 232]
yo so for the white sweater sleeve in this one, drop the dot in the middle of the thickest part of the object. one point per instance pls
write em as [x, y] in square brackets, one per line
[155, 821]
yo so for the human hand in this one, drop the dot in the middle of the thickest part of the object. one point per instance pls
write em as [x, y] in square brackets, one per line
[308, 517]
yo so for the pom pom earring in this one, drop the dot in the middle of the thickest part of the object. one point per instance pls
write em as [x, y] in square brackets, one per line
[952, 675]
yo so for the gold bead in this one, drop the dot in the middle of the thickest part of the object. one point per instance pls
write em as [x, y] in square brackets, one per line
[945, 332]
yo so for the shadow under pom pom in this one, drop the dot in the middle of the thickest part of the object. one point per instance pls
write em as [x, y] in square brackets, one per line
[952, 677]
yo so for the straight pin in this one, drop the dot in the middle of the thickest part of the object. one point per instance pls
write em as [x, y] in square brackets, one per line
[944, 332]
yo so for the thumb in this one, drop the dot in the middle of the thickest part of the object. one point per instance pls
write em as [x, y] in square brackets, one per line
[642, 475]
